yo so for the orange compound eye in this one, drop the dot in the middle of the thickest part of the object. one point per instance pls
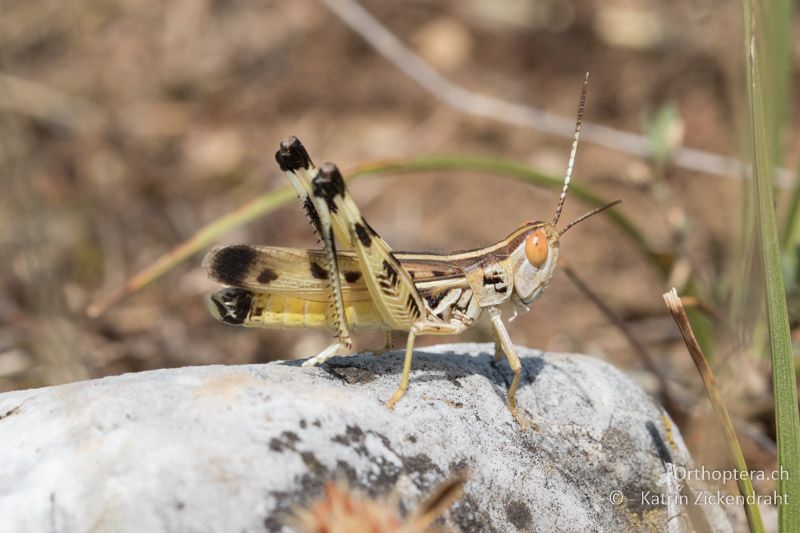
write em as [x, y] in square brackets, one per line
[536, 248]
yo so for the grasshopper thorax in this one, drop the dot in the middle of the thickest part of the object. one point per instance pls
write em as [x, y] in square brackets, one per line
[534, 262]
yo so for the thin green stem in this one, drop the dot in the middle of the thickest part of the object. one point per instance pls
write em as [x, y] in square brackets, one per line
[787, 420]
[271, 201]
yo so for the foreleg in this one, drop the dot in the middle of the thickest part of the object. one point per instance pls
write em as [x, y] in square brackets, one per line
[513, 361]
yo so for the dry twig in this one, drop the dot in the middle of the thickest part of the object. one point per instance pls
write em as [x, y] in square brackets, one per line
[385, 43]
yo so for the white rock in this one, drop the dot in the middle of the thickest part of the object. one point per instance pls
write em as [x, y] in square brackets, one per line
[236, 448]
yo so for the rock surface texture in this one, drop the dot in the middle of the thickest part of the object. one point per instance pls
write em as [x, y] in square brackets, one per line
[238, 448]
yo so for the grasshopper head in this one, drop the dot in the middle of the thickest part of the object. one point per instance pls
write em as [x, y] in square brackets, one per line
[534, 262]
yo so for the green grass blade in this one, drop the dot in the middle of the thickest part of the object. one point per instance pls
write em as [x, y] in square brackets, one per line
[205, 237]
[505, 167]
[783, 377]
[271, 201]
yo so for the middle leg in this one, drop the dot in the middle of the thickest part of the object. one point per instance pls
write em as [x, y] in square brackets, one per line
[421, 328]
[332, 350]
[513, 361]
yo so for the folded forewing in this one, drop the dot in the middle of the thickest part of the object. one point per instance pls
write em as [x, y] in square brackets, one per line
[299, 272]
[279, 270]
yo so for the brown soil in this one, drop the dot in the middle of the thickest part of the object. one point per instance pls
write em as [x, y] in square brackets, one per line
[155, 118]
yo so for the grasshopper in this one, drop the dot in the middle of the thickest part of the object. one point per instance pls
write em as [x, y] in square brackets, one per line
[368, 286]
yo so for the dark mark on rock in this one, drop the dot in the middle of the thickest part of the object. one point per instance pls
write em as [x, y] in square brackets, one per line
[273, 524]
[421, 464]
[53, 512]
[661, 446]
[313, 464]
[458, 466]
[454, 379]
[350, 374]
[13, 411]
[519, 514]
[286, 441]
[352, 435]
[469, 516]
[383, 477]
[349, 474]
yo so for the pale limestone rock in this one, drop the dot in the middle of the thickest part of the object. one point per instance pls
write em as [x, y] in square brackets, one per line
[220, 449]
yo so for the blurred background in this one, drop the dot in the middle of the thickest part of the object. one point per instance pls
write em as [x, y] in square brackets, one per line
[129, 125]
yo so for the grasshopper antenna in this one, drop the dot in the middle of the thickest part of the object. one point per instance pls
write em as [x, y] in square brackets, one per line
[573, 151]
[591, 213]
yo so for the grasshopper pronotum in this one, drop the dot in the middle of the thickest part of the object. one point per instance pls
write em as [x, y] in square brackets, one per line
[367, 286]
